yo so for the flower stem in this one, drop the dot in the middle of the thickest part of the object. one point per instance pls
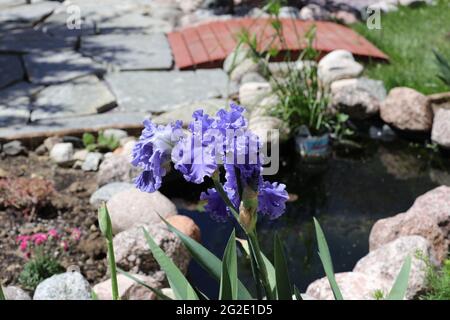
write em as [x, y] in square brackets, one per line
[261, 265]
[113, 270]
[2, 295]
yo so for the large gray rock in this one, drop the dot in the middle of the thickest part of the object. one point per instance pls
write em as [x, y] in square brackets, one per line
[83, 96]
[246, 66]
[359, 98]
[130, 51]
[236, 57]
[386, 262]
[407, 109]
[10, 70]
[128, 289]
[105, 193]
[52, 67]
[133, 254]
[353, 286]
[133, 23]
[440, 132]
[337, 65]
[133, 207]
[65, 286]
[164, 91]
[116, 168]
[15, 293]
[313, 12]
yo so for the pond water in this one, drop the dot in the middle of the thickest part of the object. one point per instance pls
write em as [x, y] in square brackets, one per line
[347, 195]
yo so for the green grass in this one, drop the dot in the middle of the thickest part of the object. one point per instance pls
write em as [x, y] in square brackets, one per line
[409, 36]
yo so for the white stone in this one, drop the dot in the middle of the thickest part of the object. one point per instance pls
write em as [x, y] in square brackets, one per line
[62, 153]
[65, 286]
[337, 65]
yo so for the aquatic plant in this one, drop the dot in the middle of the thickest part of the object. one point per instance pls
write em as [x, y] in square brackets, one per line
[217, 144]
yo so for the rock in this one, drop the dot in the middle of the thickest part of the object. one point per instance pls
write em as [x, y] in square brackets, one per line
[15, 104]
[129, 51]
[134, 23]
[251, 93]
[337, 65]
[353, 286]
[440, 177]
[412, 3]
[384, 7]
[107, 191]
[13, 148]
[116, 168]
[235, 58]
[404, 224]
[29, 13]
[261, 125]
[252, 77]
[80, 155]
[50, 142]
[185, 110]
[185, 225]
[65, 286]
[133, 207]
[164, 91]
[440, 132]
[128, 289]
[118, 134]
[246, 66]
[386, 262]
[435, 204]
[439, 100]
[313, 12]
[289, 12]
[83, 96]
[133, 254]
[266, 106]
[10, 70]
[92, 161]
[359, 98]
[62, 153]
[345, 17]
[407, 109]
[400, 164]
[54, 67]
[15, 293]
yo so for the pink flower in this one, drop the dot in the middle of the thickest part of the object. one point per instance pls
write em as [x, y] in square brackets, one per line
[39, 238]
[53, 233]
[76, 234]
[23, 244]
[65, 245]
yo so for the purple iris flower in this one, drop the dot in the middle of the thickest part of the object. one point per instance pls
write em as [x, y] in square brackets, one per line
[153, 153]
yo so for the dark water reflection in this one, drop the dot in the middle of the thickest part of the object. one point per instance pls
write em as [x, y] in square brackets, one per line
[347, 197]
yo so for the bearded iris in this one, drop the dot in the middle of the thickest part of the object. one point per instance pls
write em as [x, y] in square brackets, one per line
[216, 142]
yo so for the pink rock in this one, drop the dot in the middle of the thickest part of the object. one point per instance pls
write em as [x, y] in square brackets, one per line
[128, 289]
[353, 286]
[185, 225]
[407, 109]
[441, 128]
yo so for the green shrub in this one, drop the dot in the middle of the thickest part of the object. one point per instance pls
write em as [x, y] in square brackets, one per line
[102, 143]
[444, 68]
[38, 269]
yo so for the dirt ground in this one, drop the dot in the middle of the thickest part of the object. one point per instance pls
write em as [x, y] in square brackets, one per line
[70, 209]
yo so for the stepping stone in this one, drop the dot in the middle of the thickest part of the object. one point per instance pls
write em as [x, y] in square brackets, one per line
[10, 70]
[129, 52]
[83, 96]
[184, 111]
[163, 91]
[134, 23]
[73, 125]
[56, 26]
[27, 40]
[15, 104]
[29, 13]
[53, 67]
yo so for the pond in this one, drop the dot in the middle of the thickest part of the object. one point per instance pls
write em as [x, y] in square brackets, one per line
[347, 195]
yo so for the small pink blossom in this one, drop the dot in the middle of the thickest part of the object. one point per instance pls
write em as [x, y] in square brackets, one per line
[39, 238]
[76, 234]
[65, 245]
[53, 233]
[23, 245]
